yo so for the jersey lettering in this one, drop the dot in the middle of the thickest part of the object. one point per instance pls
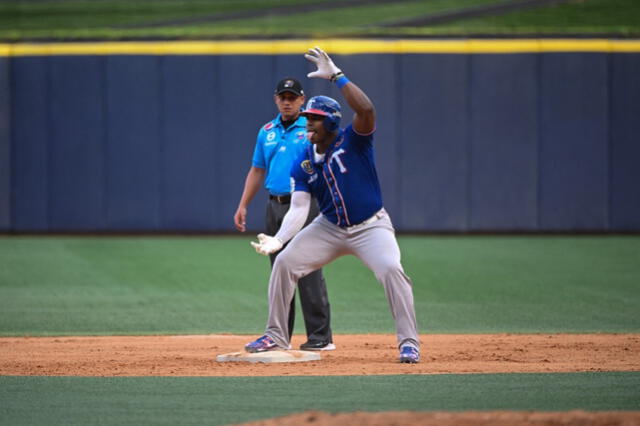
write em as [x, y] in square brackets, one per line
[345, 182]
[336, 156]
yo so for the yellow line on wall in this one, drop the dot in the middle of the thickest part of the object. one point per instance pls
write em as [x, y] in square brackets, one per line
[334, 46]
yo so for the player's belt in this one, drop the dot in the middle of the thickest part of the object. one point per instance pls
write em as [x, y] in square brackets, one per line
[378, 215]
[281, 199]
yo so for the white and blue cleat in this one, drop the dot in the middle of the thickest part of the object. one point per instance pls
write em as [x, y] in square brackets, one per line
[409, 355]
[262, 344]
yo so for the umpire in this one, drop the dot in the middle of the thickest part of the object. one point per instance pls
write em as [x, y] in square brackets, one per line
[279, 143]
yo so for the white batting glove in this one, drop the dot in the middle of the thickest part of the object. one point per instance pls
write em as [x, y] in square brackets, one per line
[326, 67]
[266, 244]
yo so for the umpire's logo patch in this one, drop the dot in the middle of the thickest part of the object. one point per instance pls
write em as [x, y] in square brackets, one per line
[307, 167]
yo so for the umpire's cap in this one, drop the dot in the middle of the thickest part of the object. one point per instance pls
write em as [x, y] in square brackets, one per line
[289, 85]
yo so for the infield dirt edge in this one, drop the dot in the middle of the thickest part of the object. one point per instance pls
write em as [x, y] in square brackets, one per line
[356, 354]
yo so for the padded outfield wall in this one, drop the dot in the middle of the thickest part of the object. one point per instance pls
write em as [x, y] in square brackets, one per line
[520, 135]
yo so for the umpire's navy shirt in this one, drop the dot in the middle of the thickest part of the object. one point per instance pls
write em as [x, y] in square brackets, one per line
[276, 149]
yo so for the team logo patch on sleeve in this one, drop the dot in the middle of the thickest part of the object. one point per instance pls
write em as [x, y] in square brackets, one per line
[268, 126]
[307, 167]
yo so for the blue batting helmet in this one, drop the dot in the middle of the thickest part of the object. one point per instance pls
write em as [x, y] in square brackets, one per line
[327, 107]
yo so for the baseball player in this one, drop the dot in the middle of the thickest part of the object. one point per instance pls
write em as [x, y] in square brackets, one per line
[338, 170]
[279, 143]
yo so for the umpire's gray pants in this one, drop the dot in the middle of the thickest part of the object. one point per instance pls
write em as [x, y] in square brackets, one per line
[320, 243]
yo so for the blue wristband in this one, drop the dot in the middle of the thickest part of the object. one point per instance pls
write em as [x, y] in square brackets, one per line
[342, 81]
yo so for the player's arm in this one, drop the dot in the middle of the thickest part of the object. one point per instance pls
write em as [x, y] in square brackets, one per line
[252, 185]
[364, 120]
[292, 223]
[297, 214]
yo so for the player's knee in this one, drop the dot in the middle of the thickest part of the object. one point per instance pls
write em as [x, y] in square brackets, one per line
[279, 263]
[284, 260]
[386, 269]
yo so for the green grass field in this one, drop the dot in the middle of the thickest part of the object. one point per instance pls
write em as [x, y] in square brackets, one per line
[218, 401]
[52, 286]
[462, 284]
[589, 17]
[151, 285]
[119, 19]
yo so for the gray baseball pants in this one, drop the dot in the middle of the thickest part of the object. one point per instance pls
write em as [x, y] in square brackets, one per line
[322, 242]
[312, 288]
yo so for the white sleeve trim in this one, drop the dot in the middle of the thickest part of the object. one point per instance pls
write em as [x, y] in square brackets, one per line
[296, 216]
[364, 134]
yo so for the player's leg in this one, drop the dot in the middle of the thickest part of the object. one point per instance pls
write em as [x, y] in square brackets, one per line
[292, 309]
[314, 301]
[377, 247]
[313, 247]
[274, 215]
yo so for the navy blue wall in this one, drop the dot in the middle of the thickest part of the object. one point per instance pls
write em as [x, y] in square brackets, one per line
[574, 119]
[133, 143]
[5, 146]
[478, 142]
[30, 144]
[624, 142]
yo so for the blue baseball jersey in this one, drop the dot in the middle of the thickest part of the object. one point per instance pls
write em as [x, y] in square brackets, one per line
[276, 149]
[345, 182]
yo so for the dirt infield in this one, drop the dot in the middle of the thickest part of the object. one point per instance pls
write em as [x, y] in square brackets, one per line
[468, 418]
[355, 355]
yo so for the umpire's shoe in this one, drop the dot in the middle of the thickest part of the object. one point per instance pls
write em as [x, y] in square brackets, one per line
[262, 344]
[317, 345]
[409, 355]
